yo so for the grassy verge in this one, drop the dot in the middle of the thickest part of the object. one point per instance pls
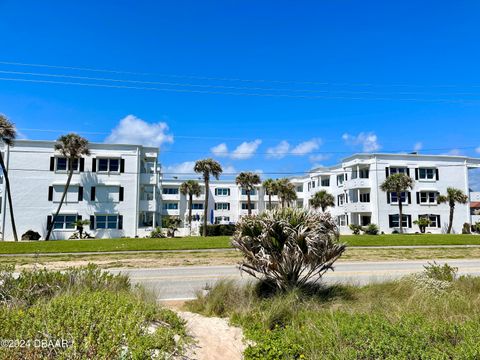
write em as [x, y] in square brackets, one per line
[227, 257]
[411, 240]
[413, 318]
[82, 313]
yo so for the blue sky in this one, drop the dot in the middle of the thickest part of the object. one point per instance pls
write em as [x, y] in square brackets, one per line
[277, 86]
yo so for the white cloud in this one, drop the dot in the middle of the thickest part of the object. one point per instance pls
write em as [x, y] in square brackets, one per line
[279, 151]
[454, 152]
[133, 130]
[478, 150]
[368, 141]
[184, 168]
[306, 147]
[246, 150]
[418, 146]
[229, 170]
[220, 150]
[319, 157]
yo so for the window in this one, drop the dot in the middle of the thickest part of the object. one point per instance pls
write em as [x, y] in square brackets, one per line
[245, 206]
[170, 206]
[398, 170]
[434, 220]
[107, 194]
[426, 173]
[406, 221]
[222, 192]
[325, 181]
[340, 179]
[170, 191]
[65, 222]
[427, 197]
[74, 193]
[364, 173]
[222, 206]
[300, 188]
[365, 197]
[342, 220]
[340, 199]
[252, 192]
[354, 174]
[107, 222]
[313, 184]
[299, 204]
[61, 164]
[147, 192]
[403, 196]
[108, 165]
[222, 219]
[197, 206]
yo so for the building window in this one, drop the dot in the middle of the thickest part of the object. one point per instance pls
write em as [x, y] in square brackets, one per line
[300, 188]
[245, 206]
[244, 192]
[197, 206]
[170, 206]
[426, 173]
[109, 165]
[313, 184]
[65, 222]
[222, 192]
[403, 197]
[428, 197]
[434, 220]
[341, 199]
[74, 193]
[61, 164]
[398, 170]
[406, 221]
[222, 219]
[325, 181]
[170, 191]
[365, 197]
[340, 179]
[364, 173]
[107, 222]
[341, 220]
[299, 204]
[222, 206]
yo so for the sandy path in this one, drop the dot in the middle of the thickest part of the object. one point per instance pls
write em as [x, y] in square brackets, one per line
[215, 339]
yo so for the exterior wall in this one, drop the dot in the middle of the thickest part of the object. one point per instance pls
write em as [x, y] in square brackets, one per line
[31, 178]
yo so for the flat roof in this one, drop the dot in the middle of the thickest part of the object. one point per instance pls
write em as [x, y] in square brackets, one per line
[95, 144]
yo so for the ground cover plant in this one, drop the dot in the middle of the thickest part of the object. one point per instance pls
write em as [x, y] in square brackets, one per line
[431, 315]
[82, 313]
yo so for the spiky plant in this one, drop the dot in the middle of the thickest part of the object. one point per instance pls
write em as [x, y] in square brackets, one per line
[322, 199]
[398, 183]
[452, 197]
[207, 168]
[288, 246]
[190, 188]
[248, 181]
[72, 147]
[7, 136]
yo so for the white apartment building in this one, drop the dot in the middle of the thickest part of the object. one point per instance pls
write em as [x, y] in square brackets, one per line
[120, 190]
[115, 188]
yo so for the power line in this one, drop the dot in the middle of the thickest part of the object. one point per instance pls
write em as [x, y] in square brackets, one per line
[235, 93]
[210, 78]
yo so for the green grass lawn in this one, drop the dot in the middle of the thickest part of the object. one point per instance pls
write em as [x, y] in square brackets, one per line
[193, 243]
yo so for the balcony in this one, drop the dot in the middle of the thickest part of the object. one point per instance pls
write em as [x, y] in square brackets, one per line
[148, 205]
[357, 207]
[357, 183]
[148, 178]
[171, 197]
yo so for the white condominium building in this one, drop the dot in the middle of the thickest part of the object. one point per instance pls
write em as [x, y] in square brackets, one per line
[119, 189]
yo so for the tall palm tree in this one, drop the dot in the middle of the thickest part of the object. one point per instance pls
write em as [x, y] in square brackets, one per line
[190, 188]
[207, 167]
[270, 186]
[7, 136]
[322, 199]
[248, 180]
[286, 191]
[398, 183]
[72, 147]
[453, 196]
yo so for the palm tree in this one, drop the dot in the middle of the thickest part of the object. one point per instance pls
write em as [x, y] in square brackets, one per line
[190, 188]
[398, 183]
[453, 196]
[322, 199]
[7, 136]
[270, 186]
[72, 147]
[207, 167]
[286, 191]
[248, 180]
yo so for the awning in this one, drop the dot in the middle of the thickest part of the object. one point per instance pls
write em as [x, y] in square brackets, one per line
[475, 205]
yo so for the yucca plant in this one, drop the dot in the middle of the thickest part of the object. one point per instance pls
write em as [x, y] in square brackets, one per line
[288, 246]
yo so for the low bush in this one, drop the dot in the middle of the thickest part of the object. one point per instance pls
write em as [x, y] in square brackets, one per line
[31, 235]
[356, 229]
[157, 233]
[466, 229]
[371, 229]
[219, 230]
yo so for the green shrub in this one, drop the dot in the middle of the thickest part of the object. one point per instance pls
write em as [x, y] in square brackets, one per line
[219, 230]
[356, 229]
[466, 228]
[443, 272]
[371, 229]
[157, 233]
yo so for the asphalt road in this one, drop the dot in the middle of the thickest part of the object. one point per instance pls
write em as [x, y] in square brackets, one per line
[181, 283]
